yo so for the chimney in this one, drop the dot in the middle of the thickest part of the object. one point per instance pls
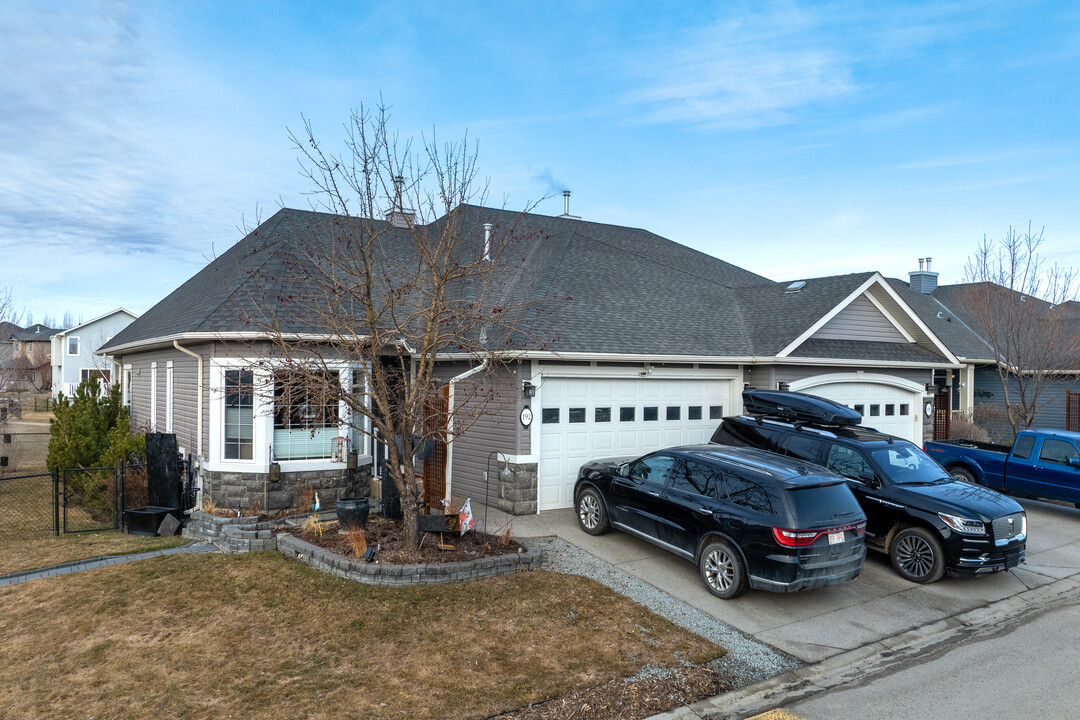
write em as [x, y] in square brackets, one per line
[566, 207]
[400, 216]
[487, 241]
[923, 281]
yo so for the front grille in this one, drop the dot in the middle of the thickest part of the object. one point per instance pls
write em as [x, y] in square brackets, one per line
[1007, 527]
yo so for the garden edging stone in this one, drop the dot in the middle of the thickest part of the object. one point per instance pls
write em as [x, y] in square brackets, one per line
[400, 575]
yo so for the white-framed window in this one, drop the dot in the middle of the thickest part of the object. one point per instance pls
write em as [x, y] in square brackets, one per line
[126, 388]
[239, 421]
[153, 397]
[306, 420]
[169, 397]
[73, 345]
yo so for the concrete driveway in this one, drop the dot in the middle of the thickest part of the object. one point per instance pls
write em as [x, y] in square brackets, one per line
[821, 623]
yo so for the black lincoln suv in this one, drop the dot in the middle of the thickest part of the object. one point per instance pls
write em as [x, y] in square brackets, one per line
[925, 520]
[746, 518]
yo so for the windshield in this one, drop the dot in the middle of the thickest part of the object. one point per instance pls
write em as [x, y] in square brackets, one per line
[904, 463]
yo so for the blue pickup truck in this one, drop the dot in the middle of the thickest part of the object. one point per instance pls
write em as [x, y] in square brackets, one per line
[1041, 463]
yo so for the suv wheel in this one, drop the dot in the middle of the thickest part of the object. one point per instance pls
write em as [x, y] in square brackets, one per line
[917, 555]
[591, 514]
[722, 570]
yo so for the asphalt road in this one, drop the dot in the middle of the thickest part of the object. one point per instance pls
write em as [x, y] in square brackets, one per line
[1026, 669]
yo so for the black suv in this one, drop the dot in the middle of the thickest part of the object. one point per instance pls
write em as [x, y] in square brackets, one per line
[745, 517]
[924, 519]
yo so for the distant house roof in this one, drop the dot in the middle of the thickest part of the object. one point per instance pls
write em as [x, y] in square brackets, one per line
[606, 289]
[117, 311]
[35, 333]
[7, 329]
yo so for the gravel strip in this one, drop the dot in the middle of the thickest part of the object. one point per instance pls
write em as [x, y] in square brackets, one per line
[747, 660]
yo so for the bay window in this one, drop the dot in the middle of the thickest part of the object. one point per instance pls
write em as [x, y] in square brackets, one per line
[306, 417]
[239, 414]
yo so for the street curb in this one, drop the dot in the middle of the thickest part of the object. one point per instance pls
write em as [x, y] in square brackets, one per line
[869, 659]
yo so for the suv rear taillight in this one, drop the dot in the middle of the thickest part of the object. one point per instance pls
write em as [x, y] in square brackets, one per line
[803, 538]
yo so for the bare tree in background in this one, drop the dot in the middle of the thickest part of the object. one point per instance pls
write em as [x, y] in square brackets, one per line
[396, 279]
[1024, 309]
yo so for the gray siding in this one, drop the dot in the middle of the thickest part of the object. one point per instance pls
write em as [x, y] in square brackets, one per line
[185, 392]
[495, 429]
[860, 320]
[1051, 411]
[760, 377]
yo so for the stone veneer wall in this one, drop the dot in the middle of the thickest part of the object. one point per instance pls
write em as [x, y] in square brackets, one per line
[518, 497]
[250, 490]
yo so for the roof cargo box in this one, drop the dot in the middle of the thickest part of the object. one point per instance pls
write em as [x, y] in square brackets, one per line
[798, 406]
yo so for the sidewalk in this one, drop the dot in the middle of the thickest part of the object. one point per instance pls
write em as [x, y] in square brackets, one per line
[92, 563]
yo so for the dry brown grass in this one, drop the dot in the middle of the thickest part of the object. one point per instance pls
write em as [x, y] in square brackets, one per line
[209, 636]
[18, 554]
[357, 541]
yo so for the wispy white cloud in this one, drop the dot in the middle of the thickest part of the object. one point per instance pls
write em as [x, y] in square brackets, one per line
[753, 71]
[958, 160]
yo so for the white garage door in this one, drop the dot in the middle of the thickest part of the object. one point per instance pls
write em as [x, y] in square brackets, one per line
[585, 419]
[888, 408]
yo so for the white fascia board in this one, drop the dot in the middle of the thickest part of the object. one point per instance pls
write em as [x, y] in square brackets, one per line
[613, 357]
[875, 279]
[895, 364]
[167, 340]
[806, 334]
[100, 317]
[915, 318]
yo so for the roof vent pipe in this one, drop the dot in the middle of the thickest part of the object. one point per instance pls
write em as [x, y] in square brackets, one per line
[921, 261]
[928, 264]
[487, 241]
[566, 207]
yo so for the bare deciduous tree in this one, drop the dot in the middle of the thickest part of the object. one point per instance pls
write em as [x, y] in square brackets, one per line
[398, 276]
[1021, 306]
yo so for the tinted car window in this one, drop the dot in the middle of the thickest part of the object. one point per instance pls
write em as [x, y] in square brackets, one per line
[830, 501]
[746, 435]
[652, 469]
[846, 461]
[1057, 451]
[801, 446]
[1023, 446]
[750, 492]
[697, 477]
[905, 463]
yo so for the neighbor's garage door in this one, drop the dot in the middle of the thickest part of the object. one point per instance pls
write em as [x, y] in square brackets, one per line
[890, 409]
[585, 419]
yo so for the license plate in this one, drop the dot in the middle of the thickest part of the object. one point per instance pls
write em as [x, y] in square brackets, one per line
[836, 538]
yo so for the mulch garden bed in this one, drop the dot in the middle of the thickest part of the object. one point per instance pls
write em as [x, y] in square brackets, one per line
[388, 536]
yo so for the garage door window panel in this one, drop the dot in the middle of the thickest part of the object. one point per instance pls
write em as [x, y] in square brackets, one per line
[693, 412]
[674, 413]
[576, 415]
[626, 414]
[549, 416]
[651, 414]
[602, 415]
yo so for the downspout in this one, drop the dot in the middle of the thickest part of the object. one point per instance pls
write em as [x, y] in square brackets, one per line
[199, 401]
[450, 424]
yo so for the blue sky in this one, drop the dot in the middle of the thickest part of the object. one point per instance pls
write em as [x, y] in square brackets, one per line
[792, 139]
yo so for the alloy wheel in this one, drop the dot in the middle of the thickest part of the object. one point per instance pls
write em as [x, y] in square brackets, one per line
[589, 511]
[719, 569]
[915, 555]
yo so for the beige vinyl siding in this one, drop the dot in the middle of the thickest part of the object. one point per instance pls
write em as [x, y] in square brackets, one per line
[860, 320]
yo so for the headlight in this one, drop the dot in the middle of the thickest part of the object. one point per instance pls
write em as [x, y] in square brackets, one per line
[963, 525]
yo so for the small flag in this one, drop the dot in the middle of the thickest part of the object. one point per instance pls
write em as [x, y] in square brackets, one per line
[465, 518]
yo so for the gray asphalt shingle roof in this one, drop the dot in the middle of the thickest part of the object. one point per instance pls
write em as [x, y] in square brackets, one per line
[596, 288]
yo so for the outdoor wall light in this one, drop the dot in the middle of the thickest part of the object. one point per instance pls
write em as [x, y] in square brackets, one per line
[528, 389]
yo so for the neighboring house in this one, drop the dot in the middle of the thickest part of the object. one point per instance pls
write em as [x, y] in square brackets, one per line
[32, 350]
[74, 351]
[651, 343]
[943, 309]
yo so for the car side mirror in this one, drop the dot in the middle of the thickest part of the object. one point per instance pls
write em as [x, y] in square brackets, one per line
[623, 470]
[867, 477]
[1073, 461]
